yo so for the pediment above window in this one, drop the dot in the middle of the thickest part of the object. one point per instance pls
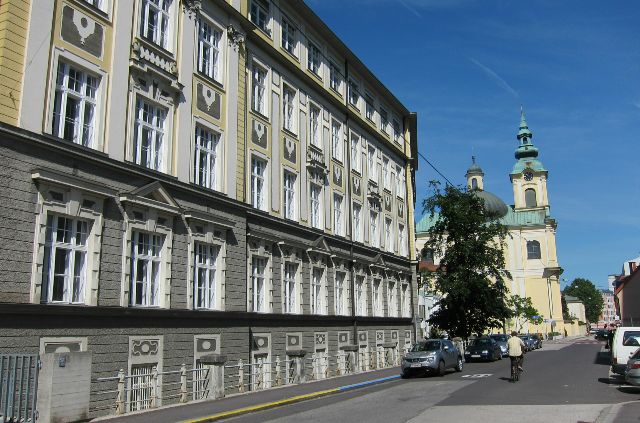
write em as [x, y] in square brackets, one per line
[148, 60]
[153, 195]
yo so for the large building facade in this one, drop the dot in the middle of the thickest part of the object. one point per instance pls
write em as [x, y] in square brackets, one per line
[190, 177]
[530, 246]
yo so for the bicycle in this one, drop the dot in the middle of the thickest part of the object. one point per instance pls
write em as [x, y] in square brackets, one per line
[515, 368]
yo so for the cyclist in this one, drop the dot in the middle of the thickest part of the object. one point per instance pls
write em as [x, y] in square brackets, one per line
[516, 348]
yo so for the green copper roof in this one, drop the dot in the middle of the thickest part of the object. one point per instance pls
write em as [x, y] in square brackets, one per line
[426, 222]
[526, 153]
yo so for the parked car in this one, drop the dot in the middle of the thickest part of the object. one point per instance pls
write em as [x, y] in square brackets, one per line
[501, 339]
[483, 348]
[537, 341]
[625, 342]
[601, 335]
[632, 371]
[528, 342]
[431, 356]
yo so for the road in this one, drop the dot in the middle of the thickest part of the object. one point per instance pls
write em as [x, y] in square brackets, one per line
[561, 383]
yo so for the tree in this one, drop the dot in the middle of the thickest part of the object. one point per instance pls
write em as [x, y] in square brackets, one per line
[524, 311]
[586, 291]
[470, 275]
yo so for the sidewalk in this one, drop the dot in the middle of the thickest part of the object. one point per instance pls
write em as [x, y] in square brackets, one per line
[626, 412]
[252, 401]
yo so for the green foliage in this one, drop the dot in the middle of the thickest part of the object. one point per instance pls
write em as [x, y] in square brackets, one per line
[470, 277]
[587, 292]
[524, 311]
[565, 309]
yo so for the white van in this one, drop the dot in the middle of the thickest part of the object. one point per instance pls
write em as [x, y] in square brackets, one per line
[625, 343]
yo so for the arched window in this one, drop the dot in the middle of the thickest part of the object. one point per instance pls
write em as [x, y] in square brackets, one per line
[530, 197]
[533, 250]
[474, 183]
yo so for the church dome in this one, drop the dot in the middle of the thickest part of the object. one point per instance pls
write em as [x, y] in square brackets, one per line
[474, 169]
[492, 203]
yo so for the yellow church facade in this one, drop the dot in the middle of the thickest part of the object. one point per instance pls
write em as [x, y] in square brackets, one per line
[530, 253]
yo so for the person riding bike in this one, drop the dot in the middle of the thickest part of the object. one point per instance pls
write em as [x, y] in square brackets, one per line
[516, 348]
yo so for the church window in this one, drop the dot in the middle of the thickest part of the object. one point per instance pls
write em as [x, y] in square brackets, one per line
[530, 198]
[533, 250]
[474, 183]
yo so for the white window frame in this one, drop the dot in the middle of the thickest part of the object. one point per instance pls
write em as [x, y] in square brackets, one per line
[338, 214]
[288, 35]
[63, 93]
[335, 78]
[386, 173]
[76, 247]
[402, 182]
[259, 183]
[357, 222]
[316, 219]
[289, 108]
[210, 45]
[314, 58]
[374, 236]
[376, 297]
[356, 155]
[259, 280]
[290, 303]
[315, 125]
[384, 120]
[341, 294]
[152, 277]
[361, 295]
[206, 264]
[372, 160]
[388, 234]
[353, 93]
[402, 240]
[159, 131]
[260, 15]
[260, 89]
[317, 294]
[396, 130]
[405, 300]
[369, 108]
[290, 194]
[98, 4]
[392, 299]
[336, 140]
[211, 153]
[154, 34]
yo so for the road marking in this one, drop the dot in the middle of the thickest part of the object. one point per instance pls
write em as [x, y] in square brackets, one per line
[478, 375]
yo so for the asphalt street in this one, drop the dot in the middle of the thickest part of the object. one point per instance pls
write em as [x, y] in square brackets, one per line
[561, 383]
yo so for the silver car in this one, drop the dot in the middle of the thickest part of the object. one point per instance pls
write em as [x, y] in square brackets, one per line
[501, 339]
[431, 356]
[632, 371]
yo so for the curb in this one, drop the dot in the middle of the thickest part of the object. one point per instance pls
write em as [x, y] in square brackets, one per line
[609, 414]
[286, 401]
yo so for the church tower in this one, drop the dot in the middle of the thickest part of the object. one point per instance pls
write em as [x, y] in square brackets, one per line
[528, 177]
[475, 176]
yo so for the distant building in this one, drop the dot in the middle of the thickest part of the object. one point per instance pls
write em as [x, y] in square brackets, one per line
[627, 298]
[576, 310]
[530, 252]
[608, 317]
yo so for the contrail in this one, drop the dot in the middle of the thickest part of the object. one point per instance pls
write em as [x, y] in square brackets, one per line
[496, 78]
[409, 8]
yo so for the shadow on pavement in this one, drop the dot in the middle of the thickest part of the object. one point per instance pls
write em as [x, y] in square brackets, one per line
[629, 389]
[610, 381]
[603, 358]
[508, 379]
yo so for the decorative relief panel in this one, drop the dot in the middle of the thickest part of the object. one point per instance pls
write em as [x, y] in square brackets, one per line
[259, 134]
[261, 343]
[337, 174]
[140, 51]
[207, 345]
[387, 202]
[394, 335]
[315, 161]
[356, 185]
[363, 339]
[81, 31]
[343, 338]
[294, 341]
[320, 340]
[290, 150]
[379, 337]
[400, 209]
[142, 347]
[208, 101]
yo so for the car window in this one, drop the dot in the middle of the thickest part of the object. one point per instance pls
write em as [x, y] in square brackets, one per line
[632, 341]
[448, 344]
[636, 355]
[629, 333]
[483, 341]
[499, 338]
[426, 346]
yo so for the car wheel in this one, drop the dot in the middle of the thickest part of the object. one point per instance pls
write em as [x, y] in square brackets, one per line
[460, 365]
[403, 375]
[441, 368]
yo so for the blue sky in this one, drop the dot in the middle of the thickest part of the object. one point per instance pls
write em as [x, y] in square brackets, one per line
[465, 66]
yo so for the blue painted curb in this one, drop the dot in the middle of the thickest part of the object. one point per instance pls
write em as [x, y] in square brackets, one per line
[367, 383]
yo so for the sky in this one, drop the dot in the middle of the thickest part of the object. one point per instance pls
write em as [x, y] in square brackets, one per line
[466, 66]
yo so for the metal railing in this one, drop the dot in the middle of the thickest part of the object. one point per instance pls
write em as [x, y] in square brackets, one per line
[18, 387]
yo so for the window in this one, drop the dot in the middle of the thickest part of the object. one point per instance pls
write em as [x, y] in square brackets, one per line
[155, 22]
[373, 171]
[386, 175]
[258, 183]
[474, 183]
[149, 135]
[75, 104]
[258, 267]
[316, 205]
[335, 79]
[98, 4]
[288, 108]
[336, 139]
[209, 59]
[369, 110]
[288, 36]
[313, 58]
[373, 225]
[377, 298]
[361, 296]
[206, 164]
[338, 215]
[316, 291]
[341, 294]
[314, 126]
[357, 225]
[354, 95]
[290, 272]
[388, 236]
[530, 197]
[533, 250]
[392, 299]
[384, 120]
[289, 195]
[65, 256]
[356, 159]
[396, 130]
[401, 181]
[405, 300]
[145, 268]
[205, 285]
[259, 100]
[402, 240]
[259, 14]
